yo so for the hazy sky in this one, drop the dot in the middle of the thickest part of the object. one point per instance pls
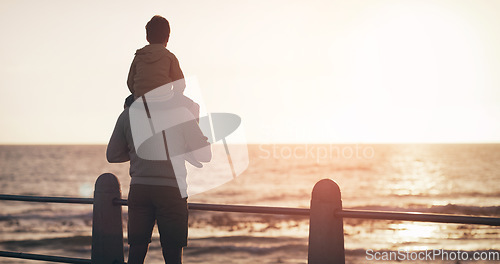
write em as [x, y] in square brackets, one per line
[295, 71]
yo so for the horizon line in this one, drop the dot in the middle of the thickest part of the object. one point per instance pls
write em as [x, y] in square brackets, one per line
[271, 143]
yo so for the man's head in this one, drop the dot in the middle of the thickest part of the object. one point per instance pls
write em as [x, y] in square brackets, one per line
[158, 30]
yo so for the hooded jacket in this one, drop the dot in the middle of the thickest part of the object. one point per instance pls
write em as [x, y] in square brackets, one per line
[183, 138]
[152, 67]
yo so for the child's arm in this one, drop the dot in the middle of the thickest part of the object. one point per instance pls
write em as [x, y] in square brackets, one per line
[177, 76]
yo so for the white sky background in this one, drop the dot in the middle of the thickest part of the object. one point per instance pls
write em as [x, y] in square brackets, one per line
[295, 71]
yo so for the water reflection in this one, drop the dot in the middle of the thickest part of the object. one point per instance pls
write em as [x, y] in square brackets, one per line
[413, 232]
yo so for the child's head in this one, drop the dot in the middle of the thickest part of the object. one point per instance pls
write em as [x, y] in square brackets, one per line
[158, 30]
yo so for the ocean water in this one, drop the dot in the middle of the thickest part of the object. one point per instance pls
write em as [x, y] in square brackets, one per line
[437, 178]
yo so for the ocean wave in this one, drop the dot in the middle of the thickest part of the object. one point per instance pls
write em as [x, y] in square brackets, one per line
[251, 245]
[46, 217]
[255, 250]
[76, 243]
[450, 195]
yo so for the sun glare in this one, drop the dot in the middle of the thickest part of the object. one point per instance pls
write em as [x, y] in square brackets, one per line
[336, 71]
[412, 232]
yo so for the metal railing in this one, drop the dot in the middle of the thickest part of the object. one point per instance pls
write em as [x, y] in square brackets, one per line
[326, 235]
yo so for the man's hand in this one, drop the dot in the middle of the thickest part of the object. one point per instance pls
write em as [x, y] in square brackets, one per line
[189, 157]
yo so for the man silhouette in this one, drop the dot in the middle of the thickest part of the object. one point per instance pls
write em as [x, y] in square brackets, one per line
[154, 194]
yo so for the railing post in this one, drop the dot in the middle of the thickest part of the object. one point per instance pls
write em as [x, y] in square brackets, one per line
[326, 231]
[107, 230]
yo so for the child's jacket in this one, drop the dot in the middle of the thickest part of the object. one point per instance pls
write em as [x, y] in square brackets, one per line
[152, 67]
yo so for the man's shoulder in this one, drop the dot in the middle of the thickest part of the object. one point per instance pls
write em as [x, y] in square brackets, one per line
[124, 116]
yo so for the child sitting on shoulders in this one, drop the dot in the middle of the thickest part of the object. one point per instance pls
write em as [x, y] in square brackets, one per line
[154, 66]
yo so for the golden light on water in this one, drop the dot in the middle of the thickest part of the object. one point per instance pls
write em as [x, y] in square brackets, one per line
[416, 177]
[414, 232]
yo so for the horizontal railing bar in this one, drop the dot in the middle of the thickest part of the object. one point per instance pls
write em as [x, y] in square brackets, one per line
[249, 209]
[45, 199]
[363, 214]
[419, 217]
[21, 255]
[380, 215]
[240, 208]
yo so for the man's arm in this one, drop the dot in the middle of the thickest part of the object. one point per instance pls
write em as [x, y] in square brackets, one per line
[197, 142]
[203, 154]
[117, 150]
